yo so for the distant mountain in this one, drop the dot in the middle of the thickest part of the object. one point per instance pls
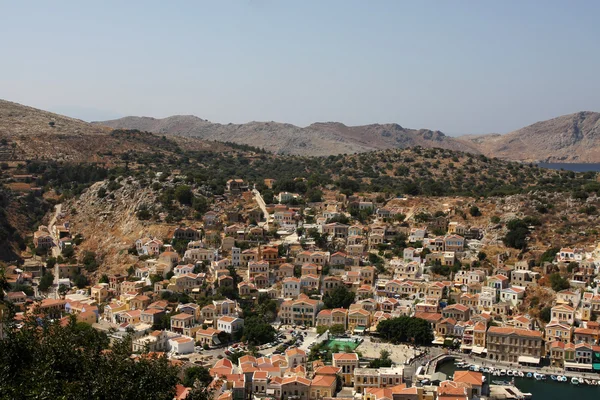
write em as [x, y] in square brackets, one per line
[27, 133]
[570, 138]
[318, 139]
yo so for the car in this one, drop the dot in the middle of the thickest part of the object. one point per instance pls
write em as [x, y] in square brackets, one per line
[227, 353]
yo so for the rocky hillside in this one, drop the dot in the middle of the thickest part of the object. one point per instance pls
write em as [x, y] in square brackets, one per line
[110, 224]
[319, 139]
[27, 133]
[570, 138]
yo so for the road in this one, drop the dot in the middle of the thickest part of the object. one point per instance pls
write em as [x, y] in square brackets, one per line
[55, 249]
[261, 203]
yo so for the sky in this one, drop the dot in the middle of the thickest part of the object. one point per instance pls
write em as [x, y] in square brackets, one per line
[463, 67]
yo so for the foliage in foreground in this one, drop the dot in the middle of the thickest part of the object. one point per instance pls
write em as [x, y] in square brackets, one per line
[44, 360]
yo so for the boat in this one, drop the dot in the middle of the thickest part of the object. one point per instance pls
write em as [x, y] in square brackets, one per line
[485, 370]
[521, 374]
[496, 373]
[502, 383]
[502, 372]
[562, 378]
[509, 373]
[594, 382]
[574, 381]
[587, 381]
[553, 377]
[529, 375]
[539, 377]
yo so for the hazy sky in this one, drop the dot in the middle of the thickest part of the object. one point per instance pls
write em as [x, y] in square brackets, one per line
[457, 66]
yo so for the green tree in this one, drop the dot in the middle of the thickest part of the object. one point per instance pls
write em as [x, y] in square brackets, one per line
[52, 361]
[558, 283]
[257, 331]
[196, 374]
[546, 314]
[474, 211]
[340, 297]
[406, 329]
[184, 195]
[46, 281]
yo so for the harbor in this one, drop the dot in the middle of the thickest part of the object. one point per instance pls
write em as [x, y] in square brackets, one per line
[530, 383]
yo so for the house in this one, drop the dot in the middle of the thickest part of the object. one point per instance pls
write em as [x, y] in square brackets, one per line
[454, 243]
[417, 234]
[514, 345]
[336, 230]
[337, 316]
[152, 316]
[295, 387]
[512, 295]
[207, 337]
[471, 378]
[42, 240]
[295, 357]
[183, 233]
[291, 288]
[230, 324]
[359, 319]
[302, 311]
[370, 378]
[563, 313]
[457, 311]
[348, 362]
[322, 386]
[181, 321]
[556, 331]
[99, 292]
[181, 345]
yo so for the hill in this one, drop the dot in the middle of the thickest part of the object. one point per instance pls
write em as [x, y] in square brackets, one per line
[27, 133]
[318, 139]
[569, 138]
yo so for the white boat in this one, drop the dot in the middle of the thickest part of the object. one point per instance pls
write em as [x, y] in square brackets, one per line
[502, 372]
[539, 377]
[521, 374]
[575, 381]
[509, 373]
[562, 378]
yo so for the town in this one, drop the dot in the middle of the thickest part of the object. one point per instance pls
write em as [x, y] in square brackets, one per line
[354, 296]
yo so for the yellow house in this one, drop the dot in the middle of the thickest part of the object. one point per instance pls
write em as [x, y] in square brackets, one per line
[322, 386]
[359, 317]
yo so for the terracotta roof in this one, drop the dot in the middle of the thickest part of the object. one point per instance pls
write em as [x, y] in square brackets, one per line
[297, 379]
[471, 377]
[499, 330]
[345, 356]
[323, 380]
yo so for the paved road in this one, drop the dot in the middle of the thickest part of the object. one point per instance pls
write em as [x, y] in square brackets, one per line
[55, 249]
[261, 203]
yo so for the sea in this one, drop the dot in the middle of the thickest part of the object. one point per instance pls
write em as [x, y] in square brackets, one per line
[571, 167]
[540, 390]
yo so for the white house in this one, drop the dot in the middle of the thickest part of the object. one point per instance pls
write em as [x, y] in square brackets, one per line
[230, 324]
[182, 345]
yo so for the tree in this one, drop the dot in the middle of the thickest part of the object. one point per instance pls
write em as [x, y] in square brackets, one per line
[46, 360]
[196, 374]
[46, 281]
[63, 289]
[340, 297]
[383, 361]
[474, 211]
[558, 283]
[103, 279]
[184, 195]
[406, 329]
[546, 314]
[257, 331]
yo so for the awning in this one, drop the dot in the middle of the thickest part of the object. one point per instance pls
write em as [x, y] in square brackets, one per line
[479, 350]
[216, 340]
[438, 340]
[578, 365]
[359, 329]
[529, 360]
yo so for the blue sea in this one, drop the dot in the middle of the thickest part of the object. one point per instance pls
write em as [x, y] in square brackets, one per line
[571, 167]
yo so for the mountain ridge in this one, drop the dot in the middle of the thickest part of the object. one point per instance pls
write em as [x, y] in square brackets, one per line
[568, 138]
